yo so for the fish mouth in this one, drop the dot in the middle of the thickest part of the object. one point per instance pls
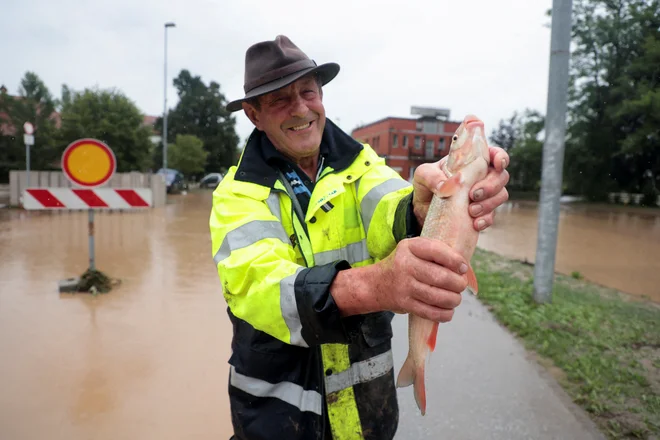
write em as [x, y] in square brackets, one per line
[473, 122]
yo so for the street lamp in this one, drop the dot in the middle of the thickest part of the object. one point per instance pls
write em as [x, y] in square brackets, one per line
[167, 25]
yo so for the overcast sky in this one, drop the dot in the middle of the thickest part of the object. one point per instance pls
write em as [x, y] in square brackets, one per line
[484, 57]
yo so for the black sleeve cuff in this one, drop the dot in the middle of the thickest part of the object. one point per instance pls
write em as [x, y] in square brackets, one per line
[319, 314]
[405, 223]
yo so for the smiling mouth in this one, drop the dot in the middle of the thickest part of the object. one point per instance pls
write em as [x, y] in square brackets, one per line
[301, 127]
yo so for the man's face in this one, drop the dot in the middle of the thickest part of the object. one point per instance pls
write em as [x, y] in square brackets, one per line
[293, 118]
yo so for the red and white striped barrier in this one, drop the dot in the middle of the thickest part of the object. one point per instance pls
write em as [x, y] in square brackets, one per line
[78, 198]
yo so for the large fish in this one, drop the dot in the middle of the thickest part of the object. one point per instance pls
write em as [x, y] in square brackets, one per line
[448, 220]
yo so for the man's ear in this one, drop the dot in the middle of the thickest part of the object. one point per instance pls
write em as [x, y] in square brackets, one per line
[252, 114]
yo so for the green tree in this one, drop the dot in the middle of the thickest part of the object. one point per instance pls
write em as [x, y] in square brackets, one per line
[504, 135]
[612, 114]
[34, 103]
[187, 154]
[109, 116]
[201, 112]
[639, 113]
[520, 135]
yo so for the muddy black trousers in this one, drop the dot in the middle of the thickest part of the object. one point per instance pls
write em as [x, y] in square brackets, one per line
[327, 436]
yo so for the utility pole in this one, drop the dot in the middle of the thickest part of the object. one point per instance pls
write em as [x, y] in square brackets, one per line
[553, 150]
[167, 25]
[28, 139]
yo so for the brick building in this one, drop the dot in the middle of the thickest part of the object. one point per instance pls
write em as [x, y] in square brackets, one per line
[406, 143]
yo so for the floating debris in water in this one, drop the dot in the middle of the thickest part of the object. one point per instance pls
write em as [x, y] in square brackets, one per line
[92, 281]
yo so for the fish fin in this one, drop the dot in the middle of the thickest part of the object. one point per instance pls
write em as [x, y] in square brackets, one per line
[450, 186]
[407, 374]
[420, 389]
[432, 337]
[473, 287]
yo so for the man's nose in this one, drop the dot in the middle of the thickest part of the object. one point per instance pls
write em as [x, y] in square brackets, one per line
[299, 107]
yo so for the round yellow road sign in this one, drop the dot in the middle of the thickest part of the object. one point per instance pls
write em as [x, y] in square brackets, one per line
[88, 162]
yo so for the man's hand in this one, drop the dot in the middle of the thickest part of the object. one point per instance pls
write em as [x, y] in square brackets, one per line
[421, 276]
[486, 195]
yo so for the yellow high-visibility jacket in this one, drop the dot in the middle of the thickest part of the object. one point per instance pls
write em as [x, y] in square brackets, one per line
[296, 364]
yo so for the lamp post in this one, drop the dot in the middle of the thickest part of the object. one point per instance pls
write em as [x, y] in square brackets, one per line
[167, 25]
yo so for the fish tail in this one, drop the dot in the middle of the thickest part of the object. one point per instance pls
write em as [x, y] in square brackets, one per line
[407, 373]
[420, 389]
[412, 375]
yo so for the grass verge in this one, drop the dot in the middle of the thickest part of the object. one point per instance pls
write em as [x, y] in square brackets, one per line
[604, 347]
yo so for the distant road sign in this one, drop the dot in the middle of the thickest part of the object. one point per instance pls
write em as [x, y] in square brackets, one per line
[28, 127]
[88, 163]
[77, 198]
[28, 139]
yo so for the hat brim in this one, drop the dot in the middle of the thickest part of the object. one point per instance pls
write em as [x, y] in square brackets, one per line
[326, 73]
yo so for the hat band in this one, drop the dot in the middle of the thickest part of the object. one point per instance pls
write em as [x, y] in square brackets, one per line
[279, 73]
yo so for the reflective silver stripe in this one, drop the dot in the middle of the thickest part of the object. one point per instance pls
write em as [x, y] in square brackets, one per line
[304, 400]
[360, 372]
[370, 201]
[353, 253]
[290, 309]
[273, 202]
[248, 234]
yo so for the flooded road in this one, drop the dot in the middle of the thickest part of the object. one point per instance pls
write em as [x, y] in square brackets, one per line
[613, 246]
[149, 360]
[146, 361]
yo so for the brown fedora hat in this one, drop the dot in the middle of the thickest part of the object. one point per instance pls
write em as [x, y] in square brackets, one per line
[271, 65]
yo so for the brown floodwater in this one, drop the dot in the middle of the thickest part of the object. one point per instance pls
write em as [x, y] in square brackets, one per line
[616, 247]
[146, 361]
[149, 359]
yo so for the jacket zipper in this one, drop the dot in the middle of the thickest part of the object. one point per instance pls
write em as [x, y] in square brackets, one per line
[297, 209]
[294, 203]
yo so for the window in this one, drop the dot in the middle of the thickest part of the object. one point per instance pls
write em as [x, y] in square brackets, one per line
[442, 144]
[395, 141]
[429, 148]
[418, 141]
[430, 126]
[405, 142]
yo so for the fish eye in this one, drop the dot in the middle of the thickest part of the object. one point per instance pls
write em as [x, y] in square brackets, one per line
[455, 138]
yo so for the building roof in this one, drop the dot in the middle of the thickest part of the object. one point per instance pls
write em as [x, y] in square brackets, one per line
[386, 118]
[397, 118]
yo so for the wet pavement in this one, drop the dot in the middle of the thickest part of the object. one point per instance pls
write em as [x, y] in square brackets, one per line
[480, 384]
[149, 360]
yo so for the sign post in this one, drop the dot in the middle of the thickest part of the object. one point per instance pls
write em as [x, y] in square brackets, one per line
[28, 140]
[89, 163]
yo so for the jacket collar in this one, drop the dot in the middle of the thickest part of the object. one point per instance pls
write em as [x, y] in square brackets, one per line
[257, 163]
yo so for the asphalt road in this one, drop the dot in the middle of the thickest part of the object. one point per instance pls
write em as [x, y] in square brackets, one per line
[481, 384]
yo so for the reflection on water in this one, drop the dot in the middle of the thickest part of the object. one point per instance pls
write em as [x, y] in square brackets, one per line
[615, 247]
[148, 360]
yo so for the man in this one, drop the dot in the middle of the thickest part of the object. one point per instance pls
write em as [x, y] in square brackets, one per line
[316, 243]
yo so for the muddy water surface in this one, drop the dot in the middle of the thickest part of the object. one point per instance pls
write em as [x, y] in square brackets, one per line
[146, 361]
[149, 360]
[612, 246]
